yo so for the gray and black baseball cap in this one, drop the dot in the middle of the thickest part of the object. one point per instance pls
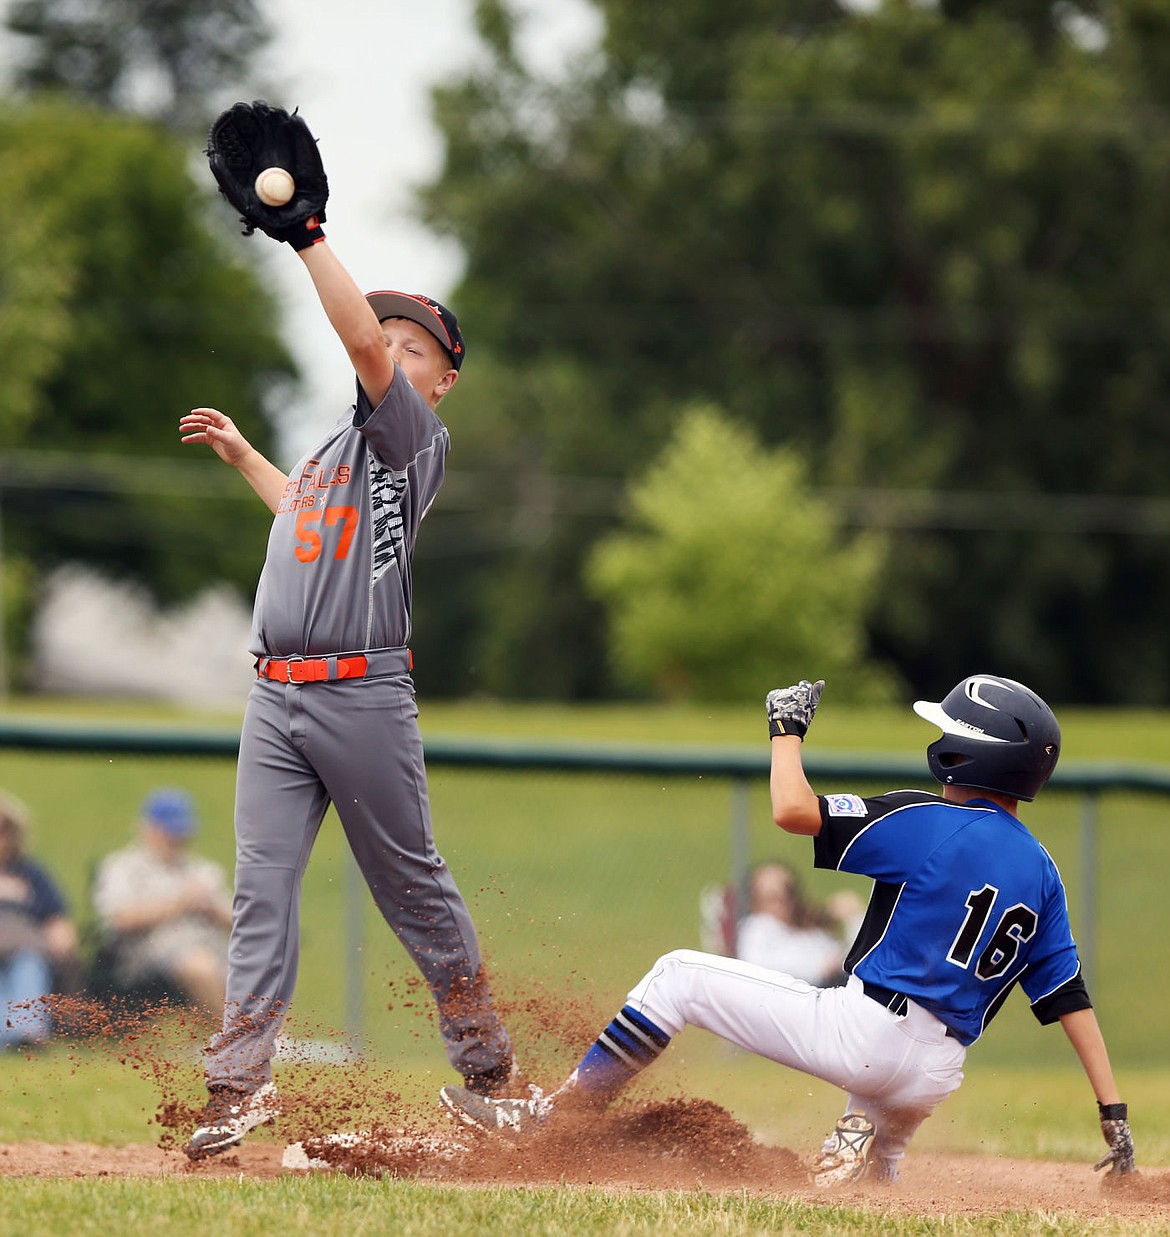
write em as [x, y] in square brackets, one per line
[437, 319]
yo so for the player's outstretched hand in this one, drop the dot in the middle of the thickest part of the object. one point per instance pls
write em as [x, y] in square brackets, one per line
[213, 428]
[1115, 1129]
[791, 709]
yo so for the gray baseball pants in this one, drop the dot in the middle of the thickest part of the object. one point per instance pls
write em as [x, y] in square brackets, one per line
[354, 743]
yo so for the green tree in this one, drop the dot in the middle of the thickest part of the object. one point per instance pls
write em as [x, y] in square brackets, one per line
[131, 308]
[36, 277]
[731, 574]
[926, 245]
[158, 58]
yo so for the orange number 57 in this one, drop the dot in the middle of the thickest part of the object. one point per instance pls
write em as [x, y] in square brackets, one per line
[310, 548]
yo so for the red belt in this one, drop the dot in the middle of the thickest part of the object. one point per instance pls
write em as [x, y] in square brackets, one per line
[298, 669]
[310, 669]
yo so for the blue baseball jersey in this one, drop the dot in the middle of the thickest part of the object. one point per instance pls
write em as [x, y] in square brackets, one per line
[966, 904]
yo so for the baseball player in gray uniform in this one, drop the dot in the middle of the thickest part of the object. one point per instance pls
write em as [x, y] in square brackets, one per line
[331, 717]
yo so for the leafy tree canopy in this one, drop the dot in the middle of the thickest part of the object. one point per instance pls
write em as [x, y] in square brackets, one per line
[37, 273]
[121, 308]
[158, 58]
[731, 573]
[926, 245]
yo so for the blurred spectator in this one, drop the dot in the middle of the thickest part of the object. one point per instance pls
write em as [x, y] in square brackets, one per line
[783, 930]
[164, 912]
[38, 940]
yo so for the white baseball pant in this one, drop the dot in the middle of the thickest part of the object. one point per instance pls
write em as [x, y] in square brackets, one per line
[895, 1069]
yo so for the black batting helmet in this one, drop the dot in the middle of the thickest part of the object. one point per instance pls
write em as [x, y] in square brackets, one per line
[997, 735]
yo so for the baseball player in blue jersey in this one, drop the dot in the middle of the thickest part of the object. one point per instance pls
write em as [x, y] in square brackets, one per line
[965, 905]
[331, 717]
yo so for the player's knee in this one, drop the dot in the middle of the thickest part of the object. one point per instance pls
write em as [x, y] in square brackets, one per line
[674, 972]
[262, 891]
[682, 957]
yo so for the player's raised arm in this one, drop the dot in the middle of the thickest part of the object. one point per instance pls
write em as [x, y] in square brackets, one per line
[269, 168]
[353, 320]
[795, 807]
[210, 427]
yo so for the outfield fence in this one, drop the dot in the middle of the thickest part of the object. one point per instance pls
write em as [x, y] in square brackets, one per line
[740, 768]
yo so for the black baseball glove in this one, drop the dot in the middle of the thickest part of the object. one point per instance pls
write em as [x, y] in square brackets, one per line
[247, 139]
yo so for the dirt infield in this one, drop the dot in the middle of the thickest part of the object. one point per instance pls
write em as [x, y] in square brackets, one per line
[653, 1144]
[676, 1144]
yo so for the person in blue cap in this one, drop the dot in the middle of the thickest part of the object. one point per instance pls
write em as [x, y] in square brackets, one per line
[164, 911]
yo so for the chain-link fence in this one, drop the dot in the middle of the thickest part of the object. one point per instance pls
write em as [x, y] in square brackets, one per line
[581, 864]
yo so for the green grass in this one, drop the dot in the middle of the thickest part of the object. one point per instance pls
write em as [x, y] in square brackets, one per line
[355, 1208]
[577, 883]
[412, 1210]
[1089, 734]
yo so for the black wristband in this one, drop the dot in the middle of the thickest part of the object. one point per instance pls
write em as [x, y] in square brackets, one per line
[776, 729]
[1113, 1112]
[304, 234]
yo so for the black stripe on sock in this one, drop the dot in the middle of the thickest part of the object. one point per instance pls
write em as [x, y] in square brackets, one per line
[628, 1066]
[644, 1025]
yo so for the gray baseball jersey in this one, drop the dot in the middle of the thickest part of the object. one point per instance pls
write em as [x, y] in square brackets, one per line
[337, 580]
[337, 575]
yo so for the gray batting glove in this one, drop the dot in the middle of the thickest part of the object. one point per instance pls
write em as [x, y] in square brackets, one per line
[1115, 1128]
[791, 709]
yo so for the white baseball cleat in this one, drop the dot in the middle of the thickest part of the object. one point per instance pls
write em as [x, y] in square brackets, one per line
[230, 1115]
[497, 1116]
[845, 1155]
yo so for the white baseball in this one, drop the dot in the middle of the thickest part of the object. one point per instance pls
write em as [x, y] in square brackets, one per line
[274, 186]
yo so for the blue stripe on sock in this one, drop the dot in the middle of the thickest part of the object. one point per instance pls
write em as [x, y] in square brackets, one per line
[620, 1052]
[601, 1072]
